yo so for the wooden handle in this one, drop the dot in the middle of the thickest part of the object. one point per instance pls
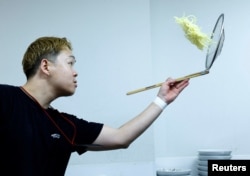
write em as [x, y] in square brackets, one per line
[144, 89]
[178, 79]
[192, 75]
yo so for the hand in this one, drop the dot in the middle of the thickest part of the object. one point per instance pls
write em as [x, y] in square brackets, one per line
[170, 89]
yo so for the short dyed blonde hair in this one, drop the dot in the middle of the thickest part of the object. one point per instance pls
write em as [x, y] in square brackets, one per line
[44, 47]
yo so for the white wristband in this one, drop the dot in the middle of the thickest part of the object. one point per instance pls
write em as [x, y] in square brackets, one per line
[159, 102]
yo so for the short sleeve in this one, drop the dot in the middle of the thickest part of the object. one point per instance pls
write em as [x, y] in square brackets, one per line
[87, 132]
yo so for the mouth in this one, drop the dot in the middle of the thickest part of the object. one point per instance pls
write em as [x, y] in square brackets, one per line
[75, 82]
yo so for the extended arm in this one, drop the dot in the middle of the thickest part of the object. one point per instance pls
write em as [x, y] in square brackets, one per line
[122, 137]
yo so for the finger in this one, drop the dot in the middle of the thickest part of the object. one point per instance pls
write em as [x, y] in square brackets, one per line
[170, 82]
[183, 85]
[180, 85]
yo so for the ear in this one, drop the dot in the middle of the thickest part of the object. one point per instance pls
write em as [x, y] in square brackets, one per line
[44, 66]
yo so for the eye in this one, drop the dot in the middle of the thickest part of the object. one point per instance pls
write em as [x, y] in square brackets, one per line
[71, 63]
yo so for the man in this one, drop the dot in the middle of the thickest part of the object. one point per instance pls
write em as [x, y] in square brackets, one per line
[36, 139]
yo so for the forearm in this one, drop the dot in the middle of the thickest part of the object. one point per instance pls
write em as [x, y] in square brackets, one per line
[136, 126]
[116, 138]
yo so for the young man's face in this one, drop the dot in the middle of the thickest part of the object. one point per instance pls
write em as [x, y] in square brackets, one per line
[62, 74]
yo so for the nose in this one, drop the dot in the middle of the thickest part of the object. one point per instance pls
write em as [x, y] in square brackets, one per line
[75, 73]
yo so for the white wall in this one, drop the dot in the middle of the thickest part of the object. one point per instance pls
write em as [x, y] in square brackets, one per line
[127, 44]
[213, 112]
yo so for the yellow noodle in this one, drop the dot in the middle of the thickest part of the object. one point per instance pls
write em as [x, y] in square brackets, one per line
[193, 31]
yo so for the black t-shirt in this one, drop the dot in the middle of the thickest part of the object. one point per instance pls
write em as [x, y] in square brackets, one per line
[37, 141]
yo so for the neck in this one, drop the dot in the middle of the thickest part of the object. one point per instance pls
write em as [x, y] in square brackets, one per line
[40, 93]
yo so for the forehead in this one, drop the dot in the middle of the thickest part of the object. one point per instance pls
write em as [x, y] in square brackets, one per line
[65, 54]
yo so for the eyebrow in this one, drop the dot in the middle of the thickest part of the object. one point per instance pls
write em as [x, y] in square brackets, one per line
[73, 57]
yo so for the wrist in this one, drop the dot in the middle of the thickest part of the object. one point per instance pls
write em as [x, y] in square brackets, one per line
[159, 102]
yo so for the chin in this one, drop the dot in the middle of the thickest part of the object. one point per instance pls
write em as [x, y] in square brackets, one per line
[68, 93]
[71, 93]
